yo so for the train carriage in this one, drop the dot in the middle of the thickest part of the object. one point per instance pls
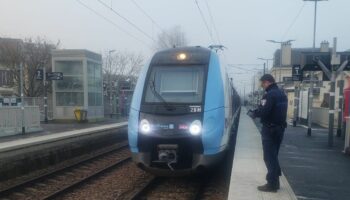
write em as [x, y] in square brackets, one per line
[182, 112]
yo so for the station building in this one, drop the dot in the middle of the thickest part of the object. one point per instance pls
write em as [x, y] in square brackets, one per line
[284, 59]
[81, 87]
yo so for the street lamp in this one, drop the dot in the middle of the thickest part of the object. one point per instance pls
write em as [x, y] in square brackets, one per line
[311, 89]
[315, 20]
[280, 42]
[267, 63]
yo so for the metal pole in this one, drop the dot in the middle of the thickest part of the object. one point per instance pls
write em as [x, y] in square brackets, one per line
[22, 99]
[45, 95]
[267, 65]
[110, 86]
[280, 76]
[281, 58]
[244, 95]
[310, 104]
[340, 106]
[253, 96]
[331, 108]
[264, 68]
[315, 22]
[311, 91]
[296, 103]
[344, 122]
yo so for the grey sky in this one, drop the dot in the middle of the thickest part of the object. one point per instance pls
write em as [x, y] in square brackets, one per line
[243, 25]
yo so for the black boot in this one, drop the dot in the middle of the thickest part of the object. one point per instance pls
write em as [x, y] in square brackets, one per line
[268, 188]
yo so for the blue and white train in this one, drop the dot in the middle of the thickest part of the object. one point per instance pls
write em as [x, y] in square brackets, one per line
[182, 113]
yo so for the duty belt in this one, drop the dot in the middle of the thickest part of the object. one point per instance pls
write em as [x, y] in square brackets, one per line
[273, 125]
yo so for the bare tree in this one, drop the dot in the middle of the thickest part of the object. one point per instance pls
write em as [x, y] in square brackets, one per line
[11, 55]
[37, 54]
[121, 65]
[173, 37]
[33, 54]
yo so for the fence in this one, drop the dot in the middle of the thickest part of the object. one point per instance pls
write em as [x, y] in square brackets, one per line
[39, 101]
[12, 119]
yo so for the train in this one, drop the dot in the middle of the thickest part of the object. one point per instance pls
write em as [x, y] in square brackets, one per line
[183, 112]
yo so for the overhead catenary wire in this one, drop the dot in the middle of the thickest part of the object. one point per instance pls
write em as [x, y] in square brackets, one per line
[151, 19]
[113, 23]
[244, 69]
[147, 15]
[294, 21]
[204, 21]
[127, 20]
[213, 21]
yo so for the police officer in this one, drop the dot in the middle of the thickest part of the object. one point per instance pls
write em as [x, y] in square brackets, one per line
[272, 112]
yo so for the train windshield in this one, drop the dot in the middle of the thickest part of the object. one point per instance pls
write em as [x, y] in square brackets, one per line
[175, 84]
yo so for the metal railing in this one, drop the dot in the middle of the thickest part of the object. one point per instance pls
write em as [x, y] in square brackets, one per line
[39, 101]
[12, 120]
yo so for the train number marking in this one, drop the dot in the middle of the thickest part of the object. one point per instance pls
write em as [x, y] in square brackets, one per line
[195, 109]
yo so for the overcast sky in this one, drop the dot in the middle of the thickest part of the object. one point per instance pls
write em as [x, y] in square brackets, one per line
[243, 25]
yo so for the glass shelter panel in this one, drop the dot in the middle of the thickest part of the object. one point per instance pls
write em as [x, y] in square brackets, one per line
[69, 67]
[94, 84]
[69, 91]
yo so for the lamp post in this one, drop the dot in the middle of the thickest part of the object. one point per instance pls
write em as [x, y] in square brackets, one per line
[22, 98]
[315, 20]
[45, 93]
[311, 90]
[110, 83]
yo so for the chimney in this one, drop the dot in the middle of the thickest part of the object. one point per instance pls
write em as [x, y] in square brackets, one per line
[286, 54]
[324, 46]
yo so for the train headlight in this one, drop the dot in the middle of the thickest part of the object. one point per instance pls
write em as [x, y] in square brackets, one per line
[145, 126]
[195, 127]
[181, 56]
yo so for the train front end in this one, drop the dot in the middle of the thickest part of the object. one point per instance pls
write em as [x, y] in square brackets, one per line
[177, 116]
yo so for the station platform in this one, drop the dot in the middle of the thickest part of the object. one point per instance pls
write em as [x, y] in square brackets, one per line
[22, 156]
[249, 169]
[44, 139]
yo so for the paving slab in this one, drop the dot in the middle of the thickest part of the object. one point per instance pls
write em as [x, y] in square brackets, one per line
[249, 169]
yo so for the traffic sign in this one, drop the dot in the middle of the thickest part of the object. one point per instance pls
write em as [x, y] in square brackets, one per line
[39, 75]
[297, 74]
[54, 76]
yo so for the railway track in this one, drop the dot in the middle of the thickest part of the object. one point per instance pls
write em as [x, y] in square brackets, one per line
[190, 188]
[63, 180]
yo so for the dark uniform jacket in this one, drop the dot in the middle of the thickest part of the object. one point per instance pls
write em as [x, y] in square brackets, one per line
[273, 107]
